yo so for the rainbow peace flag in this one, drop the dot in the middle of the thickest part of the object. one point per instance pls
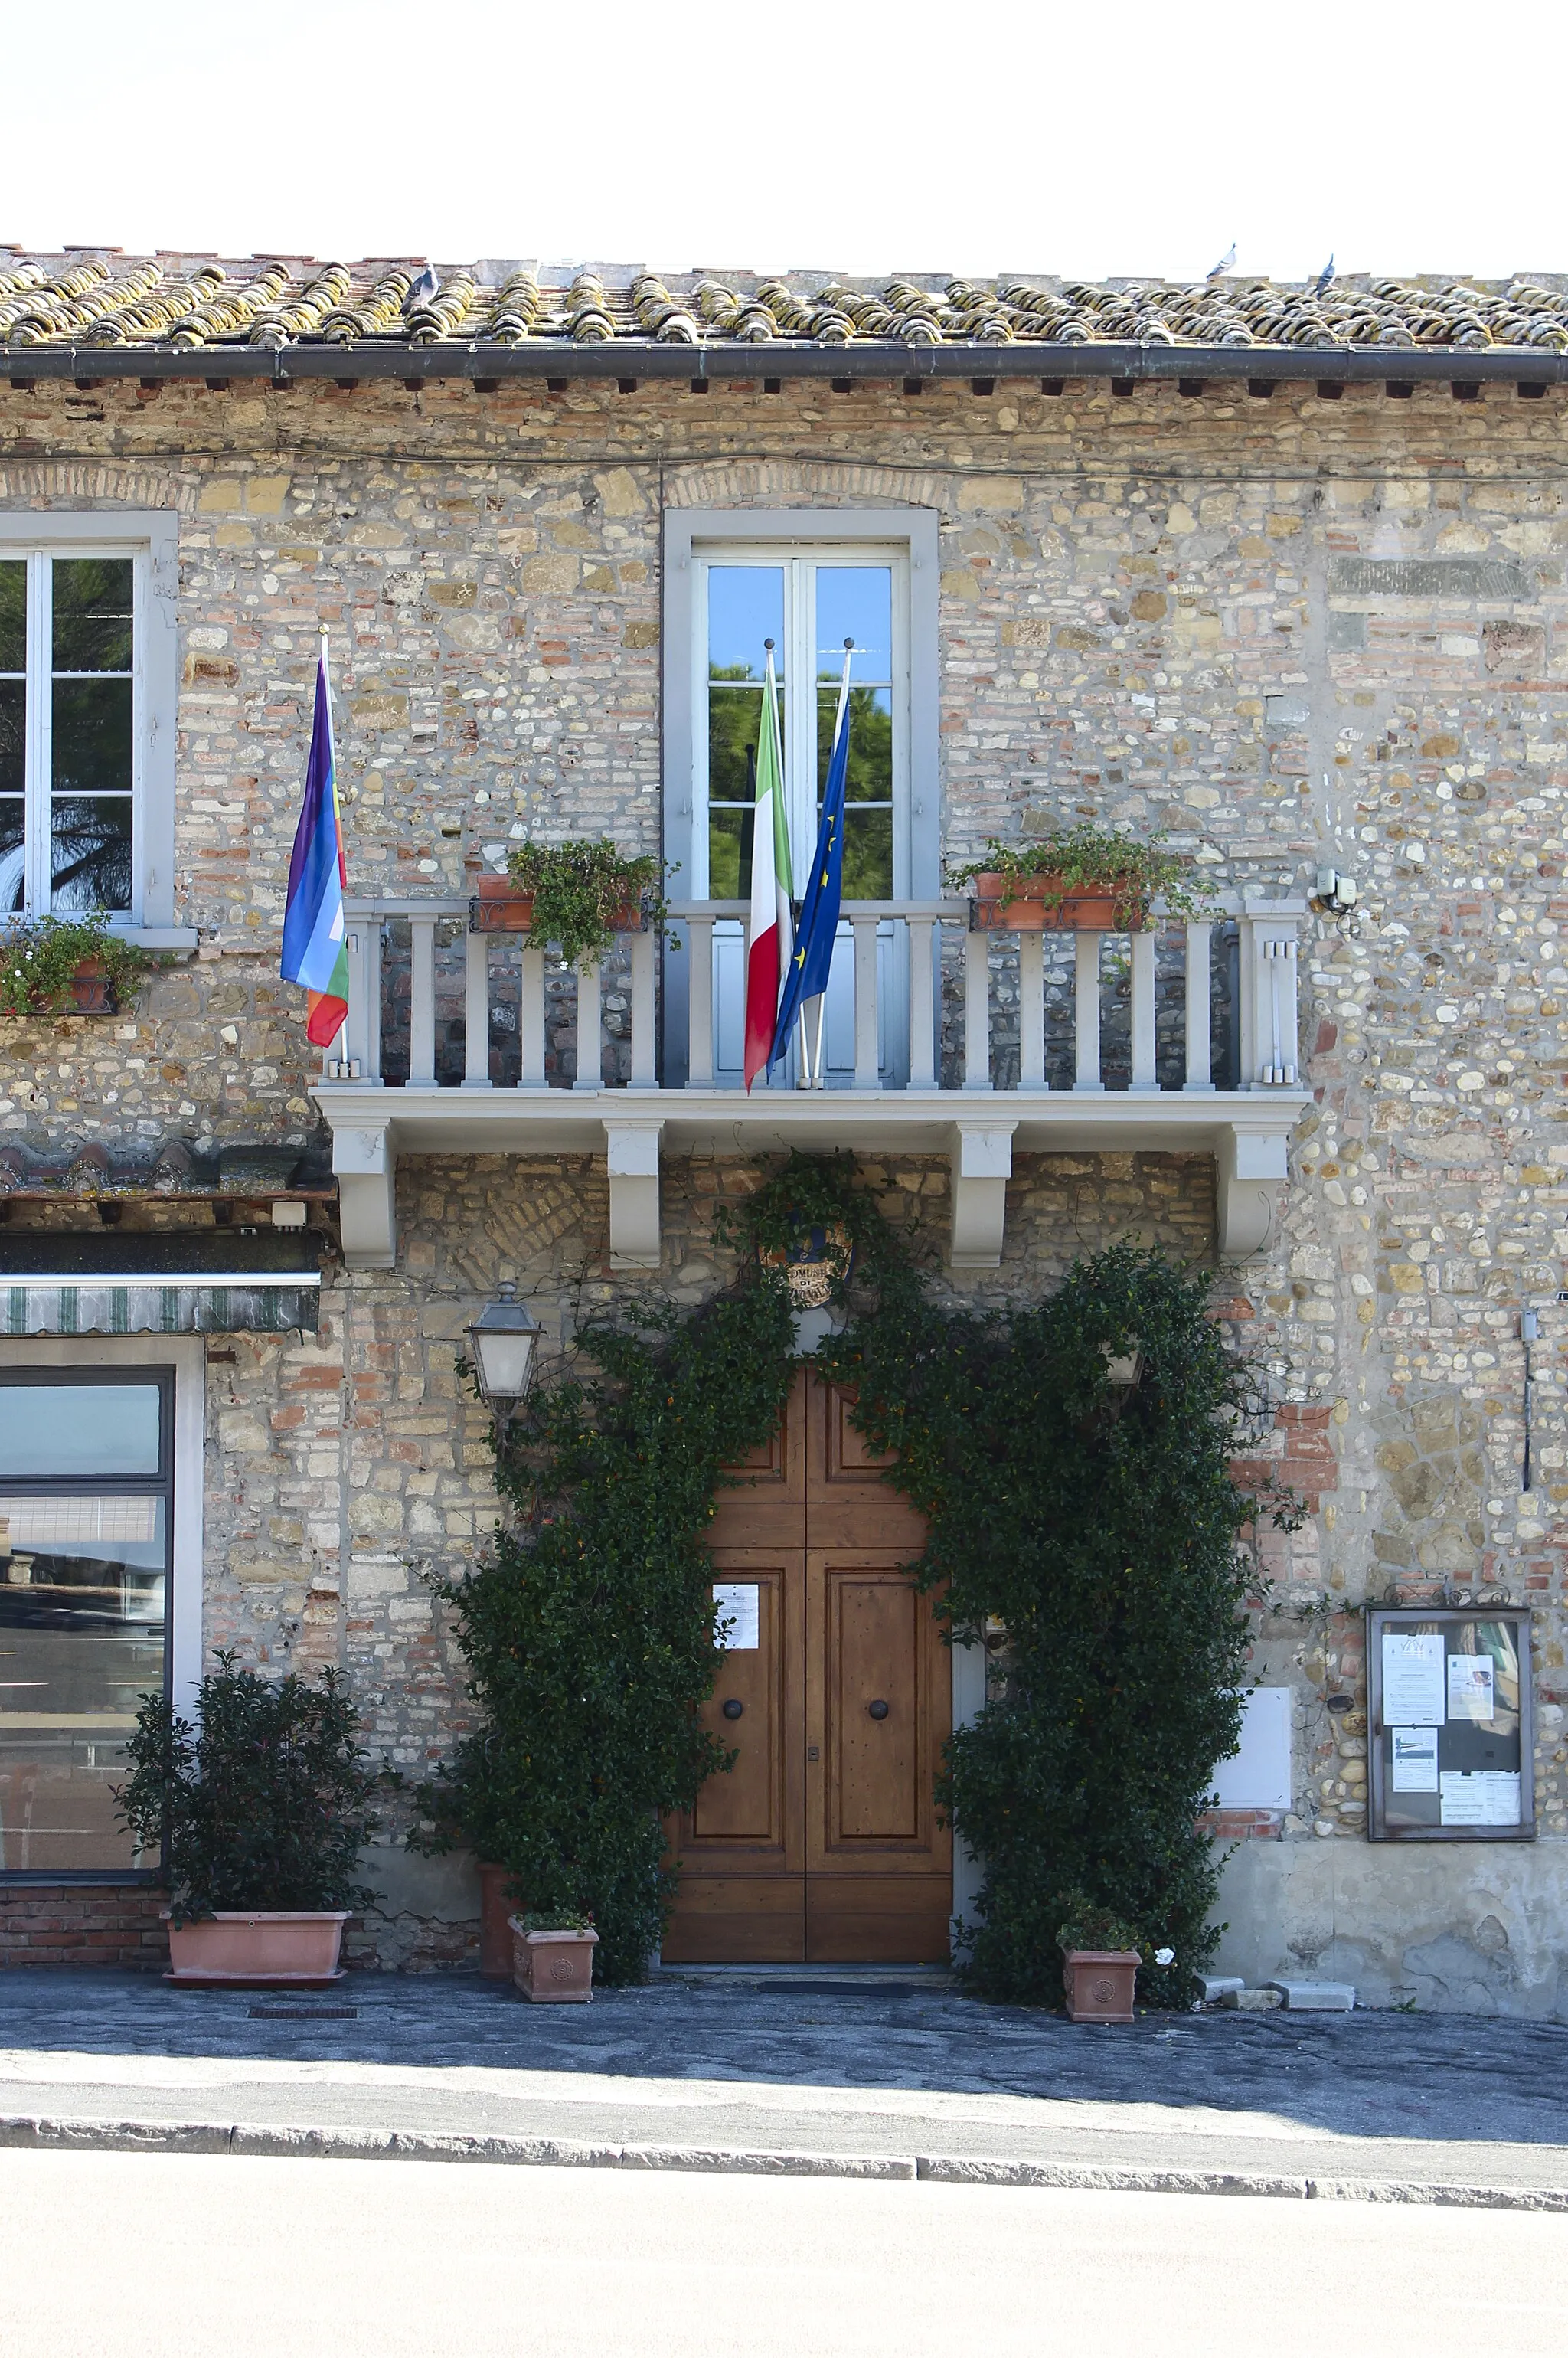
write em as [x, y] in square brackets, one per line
[314, 950]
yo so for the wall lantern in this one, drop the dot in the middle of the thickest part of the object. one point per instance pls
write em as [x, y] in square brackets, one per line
[1125, 1370]
[503, 1340]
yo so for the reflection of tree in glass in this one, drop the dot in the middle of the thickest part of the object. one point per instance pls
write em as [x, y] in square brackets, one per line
[869, 777]
[90, 857]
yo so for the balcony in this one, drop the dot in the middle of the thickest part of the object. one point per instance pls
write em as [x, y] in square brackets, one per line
[937, 1040]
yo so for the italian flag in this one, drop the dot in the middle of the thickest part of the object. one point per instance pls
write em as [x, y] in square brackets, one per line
[769, 936]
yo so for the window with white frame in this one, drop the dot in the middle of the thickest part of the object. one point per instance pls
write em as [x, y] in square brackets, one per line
[88, 689]
[808, 579]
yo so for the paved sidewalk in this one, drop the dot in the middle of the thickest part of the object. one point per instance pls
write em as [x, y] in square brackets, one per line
[888, 2082]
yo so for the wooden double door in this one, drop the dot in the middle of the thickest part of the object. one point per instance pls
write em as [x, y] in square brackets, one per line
[835, 1692]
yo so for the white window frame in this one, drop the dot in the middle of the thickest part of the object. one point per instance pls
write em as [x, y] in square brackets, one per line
[150, 538]
[909, 536]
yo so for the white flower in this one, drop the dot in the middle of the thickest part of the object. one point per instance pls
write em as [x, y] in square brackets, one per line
[1164, 1957]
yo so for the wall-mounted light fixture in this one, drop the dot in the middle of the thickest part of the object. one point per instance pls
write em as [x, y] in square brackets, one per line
[1125, 1370]
[503, 1340]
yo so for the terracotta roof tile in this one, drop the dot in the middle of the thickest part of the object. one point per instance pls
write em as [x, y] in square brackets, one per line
[196, 303]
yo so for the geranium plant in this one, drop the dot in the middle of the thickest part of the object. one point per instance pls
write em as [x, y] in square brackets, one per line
[1135, 872]
[579, 892]
[40, 959]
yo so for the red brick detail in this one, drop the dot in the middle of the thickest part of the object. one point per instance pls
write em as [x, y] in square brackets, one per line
[83, 1924]
[1242, 1825]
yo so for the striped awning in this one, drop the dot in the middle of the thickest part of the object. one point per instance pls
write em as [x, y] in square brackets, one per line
[82, 1283]
[235, 1304]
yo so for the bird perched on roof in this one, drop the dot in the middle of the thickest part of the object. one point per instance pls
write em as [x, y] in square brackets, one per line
[1224, 262]
[1324, 277]
[424, 288]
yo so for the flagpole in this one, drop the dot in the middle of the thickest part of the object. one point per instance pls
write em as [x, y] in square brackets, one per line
[337, 1047]
[815, 1082]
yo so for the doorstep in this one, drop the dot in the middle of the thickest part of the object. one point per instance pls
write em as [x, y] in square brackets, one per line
[810, 1981]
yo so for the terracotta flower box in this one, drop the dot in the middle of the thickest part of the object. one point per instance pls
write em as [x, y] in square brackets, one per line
[1037, 905]
[496, 906]
[92, 992]
[269, 1945]
[1099, 1983]
[553, 1968]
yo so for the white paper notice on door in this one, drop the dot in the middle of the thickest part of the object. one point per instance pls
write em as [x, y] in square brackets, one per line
[1413, 1766]
[738, 1615]
[1486, 1797]
[1412, 1679]
[1470, 1686]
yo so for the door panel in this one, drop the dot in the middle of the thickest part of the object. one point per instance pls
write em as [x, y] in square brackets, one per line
[872, 1694]
[872, 1637]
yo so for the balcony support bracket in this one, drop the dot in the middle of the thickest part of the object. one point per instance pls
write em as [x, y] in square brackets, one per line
[981, 1157]
[632, 1152]
[364, 1163]
[1251, 1163]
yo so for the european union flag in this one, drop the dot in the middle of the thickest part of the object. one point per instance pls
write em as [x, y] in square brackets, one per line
[818, 925]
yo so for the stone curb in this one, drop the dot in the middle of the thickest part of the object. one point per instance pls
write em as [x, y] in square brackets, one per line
[46, 2133]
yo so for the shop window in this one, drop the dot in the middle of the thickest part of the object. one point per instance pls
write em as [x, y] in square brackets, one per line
[86, 1541]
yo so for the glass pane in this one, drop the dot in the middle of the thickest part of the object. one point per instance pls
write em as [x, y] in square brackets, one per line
[13, 614]
[745, 606]
[734, 718]
[854, 601]
[869, 777]
[868, 855]
[90, 853]
[91, 736]
[12, 857]
[13, 735]
[81, 1635]
[51, 1433]
[1451, 1750]
[729, 835]
[93, 613]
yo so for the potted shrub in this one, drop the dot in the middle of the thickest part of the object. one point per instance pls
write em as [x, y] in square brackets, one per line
[1083, 881]
[260, 1809]
[1100, 1957]
[552, 1957]
[65, 966]
[576, 895]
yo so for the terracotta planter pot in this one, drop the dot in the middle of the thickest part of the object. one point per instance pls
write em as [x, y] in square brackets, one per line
[92, 992]
[1038, 904]
[553, 1968]
[1101, 1984]
[494, 1923]
[496, 906]
[269, 1945]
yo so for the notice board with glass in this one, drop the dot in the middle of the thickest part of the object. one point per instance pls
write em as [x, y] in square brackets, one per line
[1450, 1725]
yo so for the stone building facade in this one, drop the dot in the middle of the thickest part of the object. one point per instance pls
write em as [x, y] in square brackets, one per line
[1297, 609]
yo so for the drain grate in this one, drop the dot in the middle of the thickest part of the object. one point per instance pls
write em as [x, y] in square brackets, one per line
[303, 2013]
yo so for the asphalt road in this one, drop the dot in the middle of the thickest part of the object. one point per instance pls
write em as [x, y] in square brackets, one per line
[139, 2254]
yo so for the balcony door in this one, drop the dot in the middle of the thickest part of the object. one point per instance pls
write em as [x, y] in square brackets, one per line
[807, 601]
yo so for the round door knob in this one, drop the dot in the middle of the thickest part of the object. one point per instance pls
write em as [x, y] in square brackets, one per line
[732, 1709]
[879, 1709]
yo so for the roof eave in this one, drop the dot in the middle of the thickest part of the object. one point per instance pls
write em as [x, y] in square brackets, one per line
[862, 361]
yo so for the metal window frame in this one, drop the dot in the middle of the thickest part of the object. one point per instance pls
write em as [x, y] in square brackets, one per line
[180, 1363]
[151, 537]
[1381, 1617]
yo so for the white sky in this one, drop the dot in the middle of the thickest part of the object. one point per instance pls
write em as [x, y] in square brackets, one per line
[1117, 138]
